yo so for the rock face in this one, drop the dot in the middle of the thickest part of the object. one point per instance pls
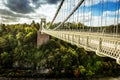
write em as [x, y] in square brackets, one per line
[41, 38]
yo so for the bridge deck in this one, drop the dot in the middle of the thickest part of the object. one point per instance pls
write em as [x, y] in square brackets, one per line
[102, 44]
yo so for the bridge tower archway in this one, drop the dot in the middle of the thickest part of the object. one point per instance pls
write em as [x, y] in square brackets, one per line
[42, 24]
[42, 37]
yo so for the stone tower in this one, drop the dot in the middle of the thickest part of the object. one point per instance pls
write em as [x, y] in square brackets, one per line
[42, 38]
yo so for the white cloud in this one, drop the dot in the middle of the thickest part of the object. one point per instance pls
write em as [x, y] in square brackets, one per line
[93, 2]
[90, 2]
[31, 4]
[47, 10]
[2, 6]
[23, 20]
[111, 13]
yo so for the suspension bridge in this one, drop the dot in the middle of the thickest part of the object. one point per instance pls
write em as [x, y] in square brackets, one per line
[81, 24]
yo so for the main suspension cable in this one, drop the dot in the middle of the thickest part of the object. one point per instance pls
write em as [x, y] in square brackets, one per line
[57, 11]
[75, 8]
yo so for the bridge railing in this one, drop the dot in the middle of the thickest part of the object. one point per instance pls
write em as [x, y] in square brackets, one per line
[103, 46]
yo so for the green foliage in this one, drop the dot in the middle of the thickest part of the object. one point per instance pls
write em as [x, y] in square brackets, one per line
[6, 60]
[3, 43]
[82, 70]
[90, 73]
[28, 36]
[15, 42]
[4, 55]
[19, 36]
[18, 50]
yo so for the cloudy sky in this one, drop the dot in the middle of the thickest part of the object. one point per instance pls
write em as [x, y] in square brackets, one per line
[91, 11]
[21, 11]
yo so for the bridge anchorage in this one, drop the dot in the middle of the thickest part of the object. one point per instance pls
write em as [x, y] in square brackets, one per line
[88, 25]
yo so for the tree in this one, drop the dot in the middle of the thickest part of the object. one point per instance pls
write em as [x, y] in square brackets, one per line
[6, 60]
[2, 28]
[3, 43]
